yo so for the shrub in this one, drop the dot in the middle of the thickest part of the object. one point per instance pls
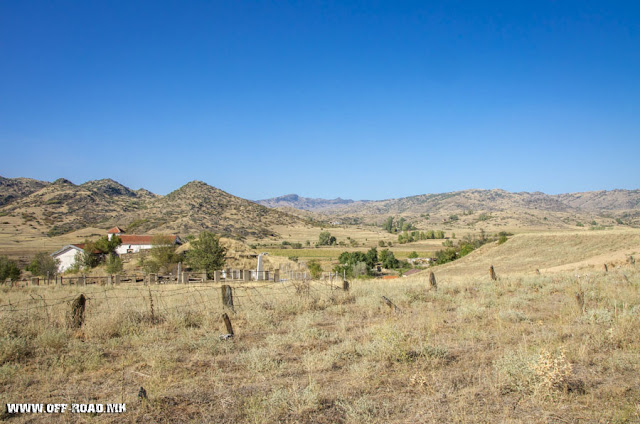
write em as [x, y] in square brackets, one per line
[9, 269]
[314, 268]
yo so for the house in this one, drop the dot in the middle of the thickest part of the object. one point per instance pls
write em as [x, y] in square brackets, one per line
[67, 255]
[133, 244]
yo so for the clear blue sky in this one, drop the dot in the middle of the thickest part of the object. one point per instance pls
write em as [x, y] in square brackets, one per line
[363, 100]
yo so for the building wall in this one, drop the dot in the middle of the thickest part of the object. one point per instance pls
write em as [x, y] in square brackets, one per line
[123, 249]
[67, 259]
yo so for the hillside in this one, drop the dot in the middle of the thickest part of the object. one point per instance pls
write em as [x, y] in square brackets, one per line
[585, 251]
[304, 203]
[504, 209]
[12, 189]
[36, 209]
[197, 206]
[62, 206]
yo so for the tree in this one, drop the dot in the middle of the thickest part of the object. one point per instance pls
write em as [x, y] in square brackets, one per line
[326, 239]
[113, 264]
[43, 264]
[314, 268]
[388, 225]
[388, 259]
[163, 252]
[9, 269]
[207, 253]
[94, 252]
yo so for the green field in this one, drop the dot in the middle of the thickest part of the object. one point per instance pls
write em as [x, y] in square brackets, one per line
[331, 254]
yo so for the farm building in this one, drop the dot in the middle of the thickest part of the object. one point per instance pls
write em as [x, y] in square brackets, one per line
[67, 255]
[133, 243]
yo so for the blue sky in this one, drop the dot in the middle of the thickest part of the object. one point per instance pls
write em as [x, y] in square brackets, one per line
[363, 100]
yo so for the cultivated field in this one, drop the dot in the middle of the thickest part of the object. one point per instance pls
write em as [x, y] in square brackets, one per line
[559, 348]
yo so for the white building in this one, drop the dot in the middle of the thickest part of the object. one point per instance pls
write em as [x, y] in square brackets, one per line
[67, 256]
[133, 244]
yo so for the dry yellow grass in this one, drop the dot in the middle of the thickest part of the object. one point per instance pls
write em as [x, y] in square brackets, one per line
[518, 350]
[549, 252]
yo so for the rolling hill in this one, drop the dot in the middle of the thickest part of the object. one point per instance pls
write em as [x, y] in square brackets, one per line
[32, 207]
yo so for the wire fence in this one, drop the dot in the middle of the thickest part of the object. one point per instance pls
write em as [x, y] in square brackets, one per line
[54, 304]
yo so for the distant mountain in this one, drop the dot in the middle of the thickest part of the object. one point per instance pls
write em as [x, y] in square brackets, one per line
[495, 200]
[305, 203]
[602, 200]
[12, 189]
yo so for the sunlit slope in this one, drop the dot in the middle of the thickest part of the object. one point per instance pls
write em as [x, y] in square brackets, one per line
[550, 252]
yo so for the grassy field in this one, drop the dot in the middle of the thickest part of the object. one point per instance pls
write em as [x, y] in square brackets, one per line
[519, 350]
[550, 252]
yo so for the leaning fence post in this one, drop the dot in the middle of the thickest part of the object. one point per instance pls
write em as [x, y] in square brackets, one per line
[390, 304]
[227, 323]
[492, 273]
[606, 268]
[227, 296]
[77, 311]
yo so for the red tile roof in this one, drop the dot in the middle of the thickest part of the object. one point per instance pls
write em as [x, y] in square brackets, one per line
[128, 239]
[115, 230]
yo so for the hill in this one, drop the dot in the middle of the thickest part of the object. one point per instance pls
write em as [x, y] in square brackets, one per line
[548, 252]
[304, 203]
[197, 206]
[62, 206]
[35, 208]
[12, 189]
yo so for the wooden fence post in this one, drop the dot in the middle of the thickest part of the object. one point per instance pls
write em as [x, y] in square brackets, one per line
[390, 304]
[606, 268]
[345, 285]
[432, 280]
[492, 273]
[76, 319]
[227, 323]
[227, 296]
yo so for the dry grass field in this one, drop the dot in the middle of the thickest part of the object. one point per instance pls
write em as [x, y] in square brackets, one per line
[550, 252]
[518, 350]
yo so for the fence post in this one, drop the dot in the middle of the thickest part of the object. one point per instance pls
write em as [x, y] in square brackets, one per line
[77, 311]
[227, 323]
[390, 304]
[227, 296]
[35, 281]
[606, 268]
[345, 285]
[432, 280]
[266, 275]
[492, 273]
[246, 274]
[185, 277]
[276, 275]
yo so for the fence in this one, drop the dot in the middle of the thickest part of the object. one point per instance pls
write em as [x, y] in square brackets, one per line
[226, 275]
[154, 302]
